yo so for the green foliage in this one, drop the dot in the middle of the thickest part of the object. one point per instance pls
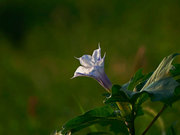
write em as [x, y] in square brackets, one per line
[136, 79]
[115, 126]
[98, 115]
[175, 71]
[161, 85]
[118, 127]
[162, 70]
[39, 38]
[117, 95]
[162, 90]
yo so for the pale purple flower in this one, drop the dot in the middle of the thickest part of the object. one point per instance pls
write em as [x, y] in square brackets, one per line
[93, 66]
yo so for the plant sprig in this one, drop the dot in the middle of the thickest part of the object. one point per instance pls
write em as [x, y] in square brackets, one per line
[123, 103]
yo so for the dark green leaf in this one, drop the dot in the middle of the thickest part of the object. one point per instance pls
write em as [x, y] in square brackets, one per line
[143, 81]
[117, 95]
[126, 98]
[176, 70]
[91, 117]
[177, 91]
[120, 95]
[136, 79]
[116, 127]
[138, 111]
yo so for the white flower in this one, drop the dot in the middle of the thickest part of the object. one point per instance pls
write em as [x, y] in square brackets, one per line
[93, 66]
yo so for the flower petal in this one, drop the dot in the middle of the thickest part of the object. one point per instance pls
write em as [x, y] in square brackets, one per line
[93, 66]
[86, 61]
[96, 56]
[83, 71]
[95, 73]
[100, 63]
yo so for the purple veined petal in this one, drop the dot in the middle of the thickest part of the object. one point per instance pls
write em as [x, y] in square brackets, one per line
[96, 56]
[86, 61]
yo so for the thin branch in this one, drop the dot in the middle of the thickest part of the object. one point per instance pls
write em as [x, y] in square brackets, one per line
[155, 118]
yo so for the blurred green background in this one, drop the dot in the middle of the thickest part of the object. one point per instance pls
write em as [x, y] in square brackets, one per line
[38, 42]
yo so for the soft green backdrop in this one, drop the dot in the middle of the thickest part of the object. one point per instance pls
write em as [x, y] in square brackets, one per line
[38, 42]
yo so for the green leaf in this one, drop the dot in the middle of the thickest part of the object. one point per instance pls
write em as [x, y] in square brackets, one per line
[162, 90]
[97, 115]
[143, 82]
[138, 111]
[122, 98]
[161, 85]
[117, 95]
[136, 79]
[176, 70]
[116, 127]
[122, 95]
[137, 99]
[126, 98]
[162, 70]
[177, 91]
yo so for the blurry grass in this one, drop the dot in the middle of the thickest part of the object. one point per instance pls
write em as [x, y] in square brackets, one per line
[36, 93]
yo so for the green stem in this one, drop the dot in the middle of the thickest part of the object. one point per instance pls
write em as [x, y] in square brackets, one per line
[155, 118]
[130, 126]
[125, 109]
[130, 123]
